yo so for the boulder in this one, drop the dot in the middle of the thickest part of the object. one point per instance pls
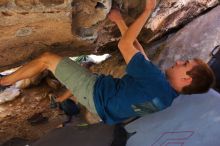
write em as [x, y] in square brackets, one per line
[196, 40]
[173, 14]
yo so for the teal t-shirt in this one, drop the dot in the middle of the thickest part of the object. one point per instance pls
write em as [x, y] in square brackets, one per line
[143, 89]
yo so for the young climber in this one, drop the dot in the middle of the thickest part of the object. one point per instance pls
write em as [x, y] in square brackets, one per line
[143, 89]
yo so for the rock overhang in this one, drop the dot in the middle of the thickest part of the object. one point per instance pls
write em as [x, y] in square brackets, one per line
[30, 27]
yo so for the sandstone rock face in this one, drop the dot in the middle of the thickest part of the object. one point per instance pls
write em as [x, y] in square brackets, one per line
[52, 2]
[87, 15]
[196, 40]
[174, 13]
[30, 27]
[3, 2]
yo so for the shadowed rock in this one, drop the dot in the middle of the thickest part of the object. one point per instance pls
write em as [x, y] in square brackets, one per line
[196, 40]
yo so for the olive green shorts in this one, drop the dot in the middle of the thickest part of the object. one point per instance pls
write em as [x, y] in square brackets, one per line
[78, 80]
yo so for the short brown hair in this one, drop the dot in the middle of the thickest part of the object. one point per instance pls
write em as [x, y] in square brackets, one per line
[203, 78]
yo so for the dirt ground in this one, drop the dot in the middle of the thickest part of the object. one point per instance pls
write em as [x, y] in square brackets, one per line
[14, 114]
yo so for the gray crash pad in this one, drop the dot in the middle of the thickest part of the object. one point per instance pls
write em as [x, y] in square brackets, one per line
[191, 121]
[93, 135]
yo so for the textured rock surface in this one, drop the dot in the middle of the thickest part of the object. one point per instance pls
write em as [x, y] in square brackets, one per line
[27, 27]
[30, 27]
[73, 27]
[197, 39]
[175, 13]
[87, 15]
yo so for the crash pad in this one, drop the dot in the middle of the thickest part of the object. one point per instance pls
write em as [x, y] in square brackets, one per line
[192, 120]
